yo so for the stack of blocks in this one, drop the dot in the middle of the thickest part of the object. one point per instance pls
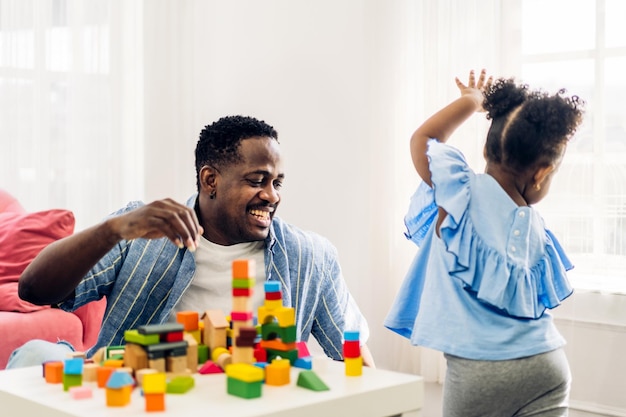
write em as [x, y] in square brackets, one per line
[244, 379]
[157, 346]
[352, 353]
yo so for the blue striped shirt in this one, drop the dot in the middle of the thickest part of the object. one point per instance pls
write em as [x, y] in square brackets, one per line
[143, 280]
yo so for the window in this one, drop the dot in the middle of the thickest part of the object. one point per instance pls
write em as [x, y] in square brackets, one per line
[581, 45]
[61, 114]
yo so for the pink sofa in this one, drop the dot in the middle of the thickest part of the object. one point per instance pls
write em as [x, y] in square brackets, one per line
[22, 236]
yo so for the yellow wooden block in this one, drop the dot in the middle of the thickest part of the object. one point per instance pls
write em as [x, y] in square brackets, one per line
[245, 372]
[154, 383]
[354, 366]
[278, 372]
[118, 397]
[284, 315]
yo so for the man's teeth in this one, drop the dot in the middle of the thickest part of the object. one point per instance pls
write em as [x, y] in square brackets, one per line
[260, 213]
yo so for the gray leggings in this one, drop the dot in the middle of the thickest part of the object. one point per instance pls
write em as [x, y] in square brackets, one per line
[533, 386]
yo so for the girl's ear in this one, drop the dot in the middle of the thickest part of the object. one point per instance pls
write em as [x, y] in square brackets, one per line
[541, 174]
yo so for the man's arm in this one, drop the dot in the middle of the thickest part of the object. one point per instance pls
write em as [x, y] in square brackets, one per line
[54, 274]
[368, 359]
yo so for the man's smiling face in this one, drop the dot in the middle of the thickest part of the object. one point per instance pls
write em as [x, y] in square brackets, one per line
[247, 194]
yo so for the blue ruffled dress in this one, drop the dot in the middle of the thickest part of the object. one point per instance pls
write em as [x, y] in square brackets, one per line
[481, 290]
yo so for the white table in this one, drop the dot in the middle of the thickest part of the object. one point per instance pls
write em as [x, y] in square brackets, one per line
[377, 393]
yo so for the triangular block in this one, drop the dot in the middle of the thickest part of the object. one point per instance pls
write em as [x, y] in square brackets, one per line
[310, 380]
[210, 367]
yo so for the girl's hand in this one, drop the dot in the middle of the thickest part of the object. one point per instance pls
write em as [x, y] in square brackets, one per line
[475, 89]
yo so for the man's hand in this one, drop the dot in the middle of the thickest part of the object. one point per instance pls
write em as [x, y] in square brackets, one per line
[161, 218]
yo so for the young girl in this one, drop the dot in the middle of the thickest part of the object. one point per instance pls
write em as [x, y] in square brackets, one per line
[487, 269]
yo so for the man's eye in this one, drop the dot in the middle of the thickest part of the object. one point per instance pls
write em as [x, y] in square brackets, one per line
[278, 185]
[255, 183]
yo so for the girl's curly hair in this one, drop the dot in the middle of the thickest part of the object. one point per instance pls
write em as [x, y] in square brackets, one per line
[529, 127]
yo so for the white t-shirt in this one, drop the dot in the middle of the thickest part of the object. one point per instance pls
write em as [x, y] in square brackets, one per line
[212, 284]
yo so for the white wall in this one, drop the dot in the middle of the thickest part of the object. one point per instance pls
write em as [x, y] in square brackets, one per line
[333, 77]
[328, 76]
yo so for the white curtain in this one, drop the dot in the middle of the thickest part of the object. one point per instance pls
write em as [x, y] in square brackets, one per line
[69, 120]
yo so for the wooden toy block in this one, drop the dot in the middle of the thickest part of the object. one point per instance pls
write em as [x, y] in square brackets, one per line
[81, 392]
[260, 354]
[247, 283]
[351, 349]
[54, 372]
[155, 402]
[141, 373]
[310, 380]
[113, 363]
[304, 362]
[189, 320]
[273, 296]
[246, 337]
[272, 286]
[76, 354]
[242, 304]
[134, 336]
[246, 316]
[154, 383]
[118, 397]
[243, 389]
[351, 335]
[244, 268]
[70, 380]
[203, 353]
[163, 328]
[277, 344]
[243, 355]
[222, 357]
[292, 355]
[118, 389]
[284, 315]
[73, 366]
[167, 348]
[113, 352]
[176, 364]
[135, 356]
[303, 349]
[180, 385]
[215, 325]
[98, 357]
[192, 352]
[197, 334]
[245, 372]
[210, 367]
[102, 375]
[277, 373]
[242, 292]
[172, 337]
[157, 364]
[354, 366]
[89, 372]
[271, 305]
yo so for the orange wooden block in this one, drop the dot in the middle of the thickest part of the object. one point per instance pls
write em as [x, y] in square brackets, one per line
[244, 268]
[102, 375]
[54, 372]
[155, 402]
[189, 320]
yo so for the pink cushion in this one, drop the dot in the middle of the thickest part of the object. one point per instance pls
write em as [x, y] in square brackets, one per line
[22, 237]
[8, 203]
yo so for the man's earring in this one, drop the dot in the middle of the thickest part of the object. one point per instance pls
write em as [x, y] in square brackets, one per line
[537, 187]
[212, 195]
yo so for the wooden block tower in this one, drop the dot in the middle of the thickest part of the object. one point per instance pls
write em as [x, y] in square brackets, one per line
[242, 317]
[352, 353]
[278, 329]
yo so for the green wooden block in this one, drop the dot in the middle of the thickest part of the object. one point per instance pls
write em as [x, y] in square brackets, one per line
[203, 354]
[310, 380]
[69, 380]
[180, 385]
[243, 389]
[133, 336]
[292, 355]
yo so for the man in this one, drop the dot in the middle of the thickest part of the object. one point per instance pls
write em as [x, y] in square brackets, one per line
[153, 260]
